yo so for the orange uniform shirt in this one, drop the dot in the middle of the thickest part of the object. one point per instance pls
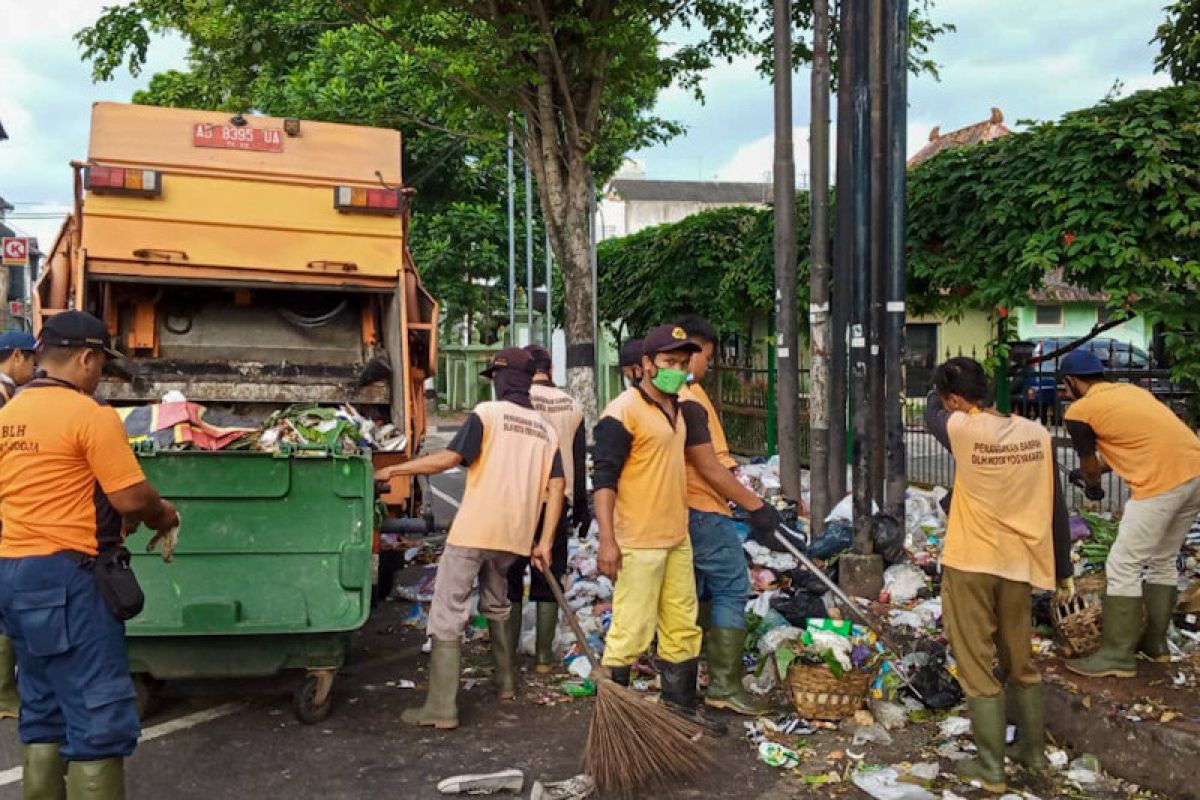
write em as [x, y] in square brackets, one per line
[565, 416]
[61, 451]
[640, 453]
[509, 464]
[701, 496]
[1139, 437]
[1002, 512]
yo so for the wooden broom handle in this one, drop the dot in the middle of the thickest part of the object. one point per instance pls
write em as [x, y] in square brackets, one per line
[572, 620]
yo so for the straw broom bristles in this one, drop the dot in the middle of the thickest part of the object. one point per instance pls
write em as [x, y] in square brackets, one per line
[634, 745]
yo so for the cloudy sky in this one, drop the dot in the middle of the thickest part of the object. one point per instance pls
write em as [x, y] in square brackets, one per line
[1032, 59]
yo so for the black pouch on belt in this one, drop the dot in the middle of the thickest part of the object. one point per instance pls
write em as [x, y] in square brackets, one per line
[115, 579]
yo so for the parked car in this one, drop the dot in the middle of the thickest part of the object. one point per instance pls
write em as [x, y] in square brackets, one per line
[1033, 388]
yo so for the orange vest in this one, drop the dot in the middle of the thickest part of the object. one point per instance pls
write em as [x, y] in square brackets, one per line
[565, 416]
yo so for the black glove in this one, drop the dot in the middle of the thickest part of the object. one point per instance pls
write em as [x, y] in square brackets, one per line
[765, 518]
[581, 520]
[1094, 493]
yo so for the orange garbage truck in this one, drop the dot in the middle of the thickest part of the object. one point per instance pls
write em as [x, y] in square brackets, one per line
[251, 264]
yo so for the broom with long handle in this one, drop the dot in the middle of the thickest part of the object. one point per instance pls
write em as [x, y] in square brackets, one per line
[633, 745]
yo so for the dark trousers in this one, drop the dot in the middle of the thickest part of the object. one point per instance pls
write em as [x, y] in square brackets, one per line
[74, 680]
[539, 589]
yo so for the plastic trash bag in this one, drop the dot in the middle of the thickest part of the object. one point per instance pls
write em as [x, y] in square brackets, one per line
[888, 537]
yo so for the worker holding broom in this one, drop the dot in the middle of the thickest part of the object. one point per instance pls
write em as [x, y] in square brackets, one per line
[1006, 536]
[1141, 440]
[640, 485]
[565, 416]
[722, 580]
[513, 465]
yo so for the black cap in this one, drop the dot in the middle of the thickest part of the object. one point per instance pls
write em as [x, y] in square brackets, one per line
[510, 358]
[631, 353]
[76, 329]
[668, 339]
[539, 355]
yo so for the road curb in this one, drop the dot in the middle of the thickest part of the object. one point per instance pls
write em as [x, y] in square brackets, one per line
[1152, 754]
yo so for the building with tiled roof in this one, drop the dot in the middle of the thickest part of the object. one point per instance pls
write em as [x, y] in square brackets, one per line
[986, 131]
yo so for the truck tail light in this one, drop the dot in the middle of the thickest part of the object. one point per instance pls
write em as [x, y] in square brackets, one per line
[123, 180]
[358, 200]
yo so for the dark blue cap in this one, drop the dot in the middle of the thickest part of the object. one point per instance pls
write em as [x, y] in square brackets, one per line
[1080, 363]
[77, 329]
[17, 340]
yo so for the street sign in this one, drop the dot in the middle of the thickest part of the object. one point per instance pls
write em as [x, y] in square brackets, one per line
[15, 250]
[232, 137]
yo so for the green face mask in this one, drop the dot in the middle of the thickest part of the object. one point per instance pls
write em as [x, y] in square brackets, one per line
[669, 381]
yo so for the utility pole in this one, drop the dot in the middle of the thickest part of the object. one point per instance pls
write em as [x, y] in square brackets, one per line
[842, 277]
[529, 251]
[819, 271]
[896, 53]
[512, 243]
[786, 353]
[879, 231]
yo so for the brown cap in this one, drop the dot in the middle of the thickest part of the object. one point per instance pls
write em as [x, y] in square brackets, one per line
[631, 353]
[540, 355]
[668, 339]
[510, 358]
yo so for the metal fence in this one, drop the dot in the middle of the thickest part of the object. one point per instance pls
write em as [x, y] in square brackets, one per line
[1033, 392]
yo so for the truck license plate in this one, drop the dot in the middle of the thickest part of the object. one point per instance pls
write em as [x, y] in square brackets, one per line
[232, 137]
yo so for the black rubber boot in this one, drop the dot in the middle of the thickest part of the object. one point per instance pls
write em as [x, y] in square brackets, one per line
[43, 772]
[1159, 600]
[441, 702]
[679, 694]
[96, 780]
[619, 675]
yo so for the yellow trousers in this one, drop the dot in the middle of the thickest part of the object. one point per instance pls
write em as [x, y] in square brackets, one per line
[655, 592]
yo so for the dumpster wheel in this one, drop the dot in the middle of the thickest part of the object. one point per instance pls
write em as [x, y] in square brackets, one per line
[148, 690]
[314, 697]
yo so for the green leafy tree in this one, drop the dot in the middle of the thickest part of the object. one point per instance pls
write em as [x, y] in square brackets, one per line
[583, 76]
[1178, 38]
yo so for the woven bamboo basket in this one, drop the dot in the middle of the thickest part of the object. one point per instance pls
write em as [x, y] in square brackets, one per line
[1078, 619]
[817, 694]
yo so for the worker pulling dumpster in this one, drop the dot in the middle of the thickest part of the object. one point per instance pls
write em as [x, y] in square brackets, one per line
[1123, 428]
[513, 464]
[70, 488]
[1007, 535]
[566, 417]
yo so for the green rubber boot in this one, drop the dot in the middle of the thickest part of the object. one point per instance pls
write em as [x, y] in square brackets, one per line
[505, 656]
[512, 625]
[725, 671]
[1028, 704]
[10, 702]
[547, 629]
[1122, 631]
[96, 780]
[1160, 606]
[988, 725]
[441, 702]
[43, 772]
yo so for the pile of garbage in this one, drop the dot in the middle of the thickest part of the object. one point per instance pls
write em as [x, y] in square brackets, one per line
[176, 424]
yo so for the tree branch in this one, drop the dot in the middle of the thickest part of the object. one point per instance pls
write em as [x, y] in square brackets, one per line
[1082, 340]
[560, 73]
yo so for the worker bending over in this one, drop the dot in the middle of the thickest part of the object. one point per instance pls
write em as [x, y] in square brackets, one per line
[1158, 456]
[640, 494]
[722, 580]
[1006, 536]
[566, 417]
[513, 465]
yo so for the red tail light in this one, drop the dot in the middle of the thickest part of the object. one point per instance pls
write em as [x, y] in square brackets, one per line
[357, 200]
[123, 180]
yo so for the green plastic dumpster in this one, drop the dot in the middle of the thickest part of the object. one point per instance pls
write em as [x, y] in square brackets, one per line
[272, 571]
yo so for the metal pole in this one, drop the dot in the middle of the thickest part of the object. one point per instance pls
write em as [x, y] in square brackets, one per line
[879, 221]
[785, 258]
[818, 310]
[842, 280]
[592, 240]
[860, 251]
[512, 244]
[772, 410]
[529, 250]
[549, 293]
[896, 49]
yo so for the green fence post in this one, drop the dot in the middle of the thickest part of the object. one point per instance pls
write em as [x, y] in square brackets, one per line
[772, 405]
[1003, 400]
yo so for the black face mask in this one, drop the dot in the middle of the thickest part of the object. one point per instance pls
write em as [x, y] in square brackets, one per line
[513, 385]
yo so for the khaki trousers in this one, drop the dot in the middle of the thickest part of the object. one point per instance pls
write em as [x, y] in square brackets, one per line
[456, 574]
[1151, 533]
[988, 617]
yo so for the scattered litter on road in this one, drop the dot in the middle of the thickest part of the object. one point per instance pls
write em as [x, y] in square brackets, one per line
[509, 780]
[886, 784]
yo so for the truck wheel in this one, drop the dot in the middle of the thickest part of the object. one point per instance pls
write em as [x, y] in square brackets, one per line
[147, 690]
[314, 697]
